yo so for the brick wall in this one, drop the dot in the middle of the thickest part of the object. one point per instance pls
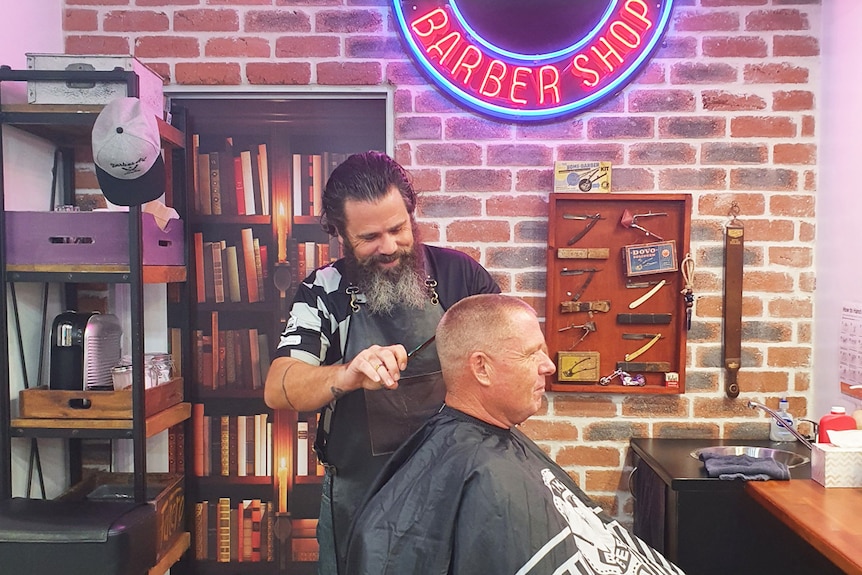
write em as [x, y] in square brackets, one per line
[725, 111]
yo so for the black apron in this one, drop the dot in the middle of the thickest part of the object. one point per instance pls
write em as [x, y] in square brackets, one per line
[367, 426]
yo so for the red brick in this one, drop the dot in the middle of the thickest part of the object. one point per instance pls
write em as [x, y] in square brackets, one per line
[475, 129]
[691, 127]
[653, 73]
[541, 429]
[307, 47]
[762, 127]
[278, 73]
[404, 74]
[721, 101]
[591, 153]
[519, 155]
[569, 129]
[517, 206]
[654, 406]
[767, 179]
[734, 153]
[673, 46]
[402, 102]
[478, 180]
[719, 204]
[373, 47]
[692, 179]
[735, 47]
[209, 74]
[806, 232]
[705, 21]
[135, 21]
[662, 153]
[661, 101]
[429, 232]
[515, 258]
[206, 20]
[791, 307]
[632, 180]
[527, 231]
[808, 126]
[769, 230]
[703, 73]
[791, 46]
[429, 100]
[426, 180]
[277, 21]
[797, 356]
[793, 100]
[167, 47]
[478, 231]
[245, 47]
[447, 206]
[80, 20]
[532, 180]
[577, 405]
[794, 154]
[610, 128]
[99, 45]
[418, 128]
[349, 73]
[448, 154]
[788, 205]
[583, 456]
[764, 380]
[606, 481]
[770, 20]
[775, 74]
[348, 21]
[688, 430]
[767, 281]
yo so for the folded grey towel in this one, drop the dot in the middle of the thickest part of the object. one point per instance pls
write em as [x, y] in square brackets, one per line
[744, 467]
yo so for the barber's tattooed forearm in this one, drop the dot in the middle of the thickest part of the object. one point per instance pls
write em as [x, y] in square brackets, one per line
[336, 392]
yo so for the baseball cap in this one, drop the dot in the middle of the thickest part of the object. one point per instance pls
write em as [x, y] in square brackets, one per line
[127, 153]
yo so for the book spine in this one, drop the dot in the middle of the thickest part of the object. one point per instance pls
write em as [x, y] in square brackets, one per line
[247, 182]
[204, 183]
[302, 448]
[218, 272]
[239, 185]
[250, 264]
[258, 269]
[215, 183]
[224, 510]
[200, 282]
[263, 169]
[225, 445]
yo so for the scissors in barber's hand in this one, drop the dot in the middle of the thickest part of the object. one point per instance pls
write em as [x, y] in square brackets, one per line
[421, 346]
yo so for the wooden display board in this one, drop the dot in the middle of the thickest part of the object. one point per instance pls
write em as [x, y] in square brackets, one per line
[607, 253]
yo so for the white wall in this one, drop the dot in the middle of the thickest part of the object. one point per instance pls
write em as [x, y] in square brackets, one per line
[839, 198]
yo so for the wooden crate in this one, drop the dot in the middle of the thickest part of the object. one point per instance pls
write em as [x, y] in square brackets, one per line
[44, 403]
[164, 493]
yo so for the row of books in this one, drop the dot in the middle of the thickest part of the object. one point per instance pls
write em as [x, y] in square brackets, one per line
[231, 182]
[231, 445]
[240, 533]
[307, 463]
[310, 173]
[312, 255]
[231, 273]
[231, 358]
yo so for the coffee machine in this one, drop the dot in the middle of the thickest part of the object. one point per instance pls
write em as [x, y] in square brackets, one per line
[84, 348]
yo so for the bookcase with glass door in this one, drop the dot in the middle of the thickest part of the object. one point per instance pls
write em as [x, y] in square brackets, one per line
[258, 162]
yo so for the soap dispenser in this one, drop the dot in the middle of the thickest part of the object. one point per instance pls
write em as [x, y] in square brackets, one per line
[777, 432]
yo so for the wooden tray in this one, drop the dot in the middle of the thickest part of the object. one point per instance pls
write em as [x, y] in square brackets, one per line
[582, 363]
[44, 403]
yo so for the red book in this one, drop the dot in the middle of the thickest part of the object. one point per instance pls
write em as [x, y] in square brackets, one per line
[239, 185]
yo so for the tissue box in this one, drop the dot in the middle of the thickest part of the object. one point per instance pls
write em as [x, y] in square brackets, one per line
[833, 466]
[88, 238]
[150, 84]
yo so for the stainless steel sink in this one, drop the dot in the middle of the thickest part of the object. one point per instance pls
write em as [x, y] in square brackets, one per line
[788, 458]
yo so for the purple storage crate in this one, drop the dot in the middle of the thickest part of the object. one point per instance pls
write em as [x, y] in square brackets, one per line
[88, 238]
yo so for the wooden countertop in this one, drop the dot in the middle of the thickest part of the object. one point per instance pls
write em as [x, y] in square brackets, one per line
[829, 519]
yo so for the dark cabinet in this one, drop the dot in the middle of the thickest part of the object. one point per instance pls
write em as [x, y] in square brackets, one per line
[709, 526]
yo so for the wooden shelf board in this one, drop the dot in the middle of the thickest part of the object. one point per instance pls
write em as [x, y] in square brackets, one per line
[155, 424]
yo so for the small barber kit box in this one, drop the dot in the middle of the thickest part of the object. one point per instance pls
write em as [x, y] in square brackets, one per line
[150, 84]
[833, 466]
[39, 239]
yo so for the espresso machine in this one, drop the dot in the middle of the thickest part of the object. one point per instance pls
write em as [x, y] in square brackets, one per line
[84, 348]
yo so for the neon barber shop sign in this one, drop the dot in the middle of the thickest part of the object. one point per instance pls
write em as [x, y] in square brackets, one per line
[532, 59]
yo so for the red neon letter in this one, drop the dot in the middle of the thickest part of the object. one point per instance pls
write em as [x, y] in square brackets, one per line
[633, 40]
[639, 15]
[517, 83]
[453, 38]
[552, 84]
[432, 21]
[497, 79]
[590, 77]
[611, 51]
[467, 65]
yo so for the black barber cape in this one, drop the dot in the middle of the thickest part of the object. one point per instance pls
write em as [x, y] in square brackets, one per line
[463, 497]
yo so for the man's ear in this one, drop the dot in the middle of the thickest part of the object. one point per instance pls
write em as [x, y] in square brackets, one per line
[480, 367]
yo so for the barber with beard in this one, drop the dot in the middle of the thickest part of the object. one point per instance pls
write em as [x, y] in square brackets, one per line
[344, 349]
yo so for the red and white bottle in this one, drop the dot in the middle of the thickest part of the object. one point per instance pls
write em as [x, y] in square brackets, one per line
[837, 420]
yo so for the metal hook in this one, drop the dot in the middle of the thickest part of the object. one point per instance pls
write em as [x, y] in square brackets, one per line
[630, 220]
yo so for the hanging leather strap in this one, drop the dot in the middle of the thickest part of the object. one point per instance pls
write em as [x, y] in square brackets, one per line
[733, 262]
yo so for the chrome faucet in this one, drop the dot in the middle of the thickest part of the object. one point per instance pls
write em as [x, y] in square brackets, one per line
[776, 417]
